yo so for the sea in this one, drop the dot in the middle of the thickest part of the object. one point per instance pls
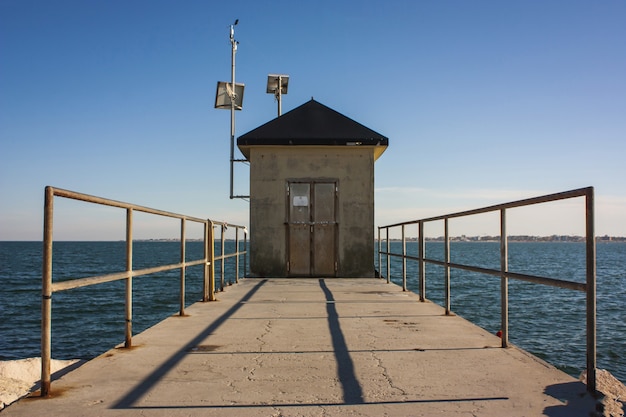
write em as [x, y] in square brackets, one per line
[546, 321]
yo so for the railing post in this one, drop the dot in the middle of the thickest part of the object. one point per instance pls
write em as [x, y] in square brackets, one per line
[46, 292]
[591, 290]
[504, 281]
[128, 337]
[182, 267]
[403, 260]
[245, 252]
[446, 254]
[223, 234]
[380, 270]
[422, 266]
[205, 272]
[237, 256]
[388, 256]
[211, 247]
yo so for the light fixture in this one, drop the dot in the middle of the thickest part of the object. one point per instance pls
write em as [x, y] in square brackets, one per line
[277, 84]
[224, 95]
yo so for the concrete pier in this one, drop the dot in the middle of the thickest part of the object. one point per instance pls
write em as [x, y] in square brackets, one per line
[311, 347]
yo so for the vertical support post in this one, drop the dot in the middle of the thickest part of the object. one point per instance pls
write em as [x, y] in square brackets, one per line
[46, 292]
[223, 234]
[205, 272]
[422, 266]
[504, 280]
[279, 94]
[211, 254]
[233, 44]
[388, 256]
[446, 254]
[380, 244]
[591, 290]
[245, 253]
[182, 267]
[403, 260]
[128, 338]
[237, 255]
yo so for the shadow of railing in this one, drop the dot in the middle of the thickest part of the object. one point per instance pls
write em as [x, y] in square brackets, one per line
[151, 380]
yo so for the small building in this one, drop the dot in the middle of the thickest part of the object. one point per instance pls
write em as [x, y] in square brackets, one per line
[312, 194]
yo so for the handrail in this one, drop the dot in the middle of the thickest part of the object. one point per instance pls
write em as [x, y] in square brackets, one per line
[589, 287]
[208, 260]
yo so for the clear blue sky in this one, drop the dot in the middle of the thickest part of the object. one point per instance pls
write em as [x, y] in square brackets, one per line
[483, 102]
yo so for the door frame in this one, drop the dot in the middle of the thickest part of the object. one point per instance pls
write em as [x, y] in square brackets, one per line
[312, 223]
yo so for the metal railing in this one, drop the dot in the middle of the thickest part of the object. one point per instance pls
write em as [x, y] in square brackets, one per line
[589, 287]
[208, 260]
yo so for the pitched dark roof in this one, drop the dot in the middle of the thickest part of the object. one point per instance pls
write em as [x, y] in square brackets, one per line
[312, 124]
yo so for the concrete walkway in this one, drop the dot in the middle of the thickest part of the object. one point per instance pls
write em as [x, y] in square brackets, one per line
[309, 347]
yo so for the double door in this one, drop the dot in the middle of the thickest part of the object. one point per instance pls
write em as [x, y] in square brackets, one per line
[312, 228]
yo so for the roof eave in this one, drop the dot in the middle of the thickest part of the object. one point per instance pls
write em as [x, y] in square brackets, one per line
[378, 148]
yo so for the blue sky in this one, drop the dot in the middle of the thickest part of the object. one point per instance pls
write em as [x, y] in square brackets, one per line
[483, 102]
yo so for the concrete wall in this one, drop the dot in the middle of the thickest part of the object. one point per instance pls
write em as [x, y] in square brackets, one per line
[271, 167]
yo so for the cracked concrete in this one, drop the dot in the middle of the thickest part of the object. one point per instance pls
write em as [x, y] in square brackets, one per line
[302, 347]
[387, 377]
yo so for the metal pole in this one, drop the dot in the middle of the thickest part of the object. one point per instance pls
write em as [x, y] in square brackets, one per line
[182, 268]
[46, 292]
[403, 260]
[388, 257]
[504, 280]
[380, 269]
[233, 44]
[422, 267]
[205, 273]
[237, 256]
[591, 291]
[245, 253]
[211, 247]
[446, 254]
[279, 94]
[129, 280]
[222, 258]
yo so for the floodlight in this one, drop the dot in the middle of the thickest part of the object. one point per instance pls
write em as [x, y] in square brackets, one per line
[276, 80]
[277, 84]
[224, 95]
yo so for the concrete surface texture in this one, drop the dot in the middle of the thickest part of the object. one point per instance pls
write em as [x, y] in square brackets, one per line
[309, 347]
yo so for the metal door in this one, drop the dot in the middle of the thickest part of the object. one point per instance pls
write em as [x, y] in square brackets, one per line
[312, 228]
[299, 229]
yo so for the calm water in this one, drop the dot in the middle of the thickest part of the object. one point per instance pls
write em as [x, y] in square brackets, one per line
[548, 322]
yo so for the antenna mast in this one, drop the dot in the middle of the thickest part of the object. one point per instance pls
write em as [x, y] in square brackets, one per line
[233, 44]
[230, 96]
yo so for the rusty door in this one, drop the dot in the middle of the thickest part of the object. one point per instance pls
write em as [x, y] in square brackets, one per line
[299, 229]
[312, 228]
